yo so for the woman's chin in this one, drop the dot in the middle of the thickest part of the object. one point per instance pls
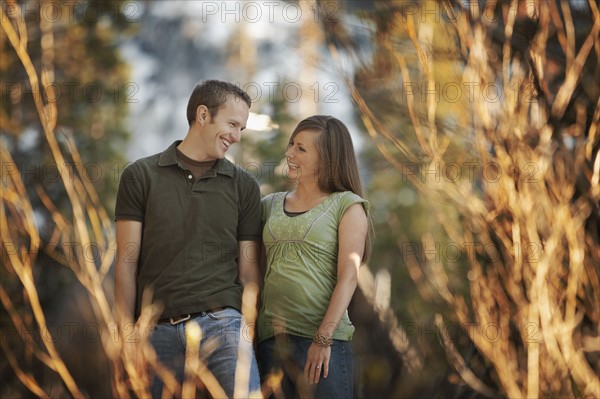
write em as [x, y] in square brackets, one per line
[293, 175]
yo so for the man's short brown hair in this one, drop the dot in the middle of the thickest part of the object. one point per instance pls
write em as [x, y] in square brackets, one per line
[213, 94]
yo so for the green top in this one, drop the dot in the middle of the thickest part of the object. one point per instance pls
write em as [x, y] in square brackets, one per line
[191, 229]
[302, 257]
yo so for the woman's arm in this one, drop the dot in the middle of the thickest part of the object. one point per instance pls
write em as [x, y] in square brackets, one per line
[352, 233]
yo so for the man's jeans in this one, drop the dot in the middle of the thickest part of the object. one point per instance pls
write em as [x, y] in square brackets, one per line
[288, 353]
[218, 348]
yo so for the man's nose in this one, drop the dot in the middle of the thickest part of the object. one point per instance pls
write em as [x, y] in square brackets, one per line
[236, 135]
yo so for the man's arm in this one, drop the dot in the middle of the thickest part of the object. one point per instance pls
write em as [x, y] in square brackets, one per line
[129, 240]
[248, 260]
[249, 274]
[262, 261]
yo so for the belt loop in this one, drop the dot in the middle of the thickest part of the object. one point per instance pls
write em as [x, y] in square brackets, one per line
[177, 321]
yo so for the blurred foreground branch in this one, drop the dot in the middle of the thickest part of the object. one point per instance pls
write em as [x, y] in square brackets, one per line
[512, 178]
[65, 223]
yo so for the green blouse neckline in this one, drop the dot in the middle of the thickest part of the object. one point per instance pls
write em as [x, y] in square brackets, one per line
[282, 210]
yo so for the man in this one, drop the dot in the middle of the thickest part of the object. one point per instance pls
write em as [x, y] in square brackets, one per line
[187, 230]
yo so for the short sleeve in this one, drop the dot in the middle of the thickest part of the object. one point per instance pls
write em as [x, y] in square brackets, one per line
[267, 204]
[131, 204]
[348, 199]
[250, 210]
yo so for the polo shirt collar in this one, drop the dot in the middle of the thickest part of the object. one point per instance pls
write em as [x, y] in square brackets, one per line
[169, 157]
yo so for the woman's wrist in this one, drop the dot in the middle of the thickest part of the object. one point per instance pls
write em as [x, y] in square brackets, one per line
[322, 340]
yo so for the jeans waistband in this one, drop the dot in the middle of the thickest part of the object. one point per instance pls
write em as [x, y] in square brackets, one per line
[187, 316]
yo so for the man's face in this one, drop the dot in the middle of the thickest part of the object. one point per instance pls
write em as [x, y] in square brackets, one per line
[222, 130]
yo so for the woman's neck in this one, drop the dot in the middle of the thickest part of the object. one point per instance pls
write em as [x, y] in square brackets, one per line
[308, 192]
[304, 198]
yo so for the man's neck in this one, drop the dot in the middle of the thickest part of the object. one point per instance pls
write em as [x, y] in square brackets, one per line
[193, 150]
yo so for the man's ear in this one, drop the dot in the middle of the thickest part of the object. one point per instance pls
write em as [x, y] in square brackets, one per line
[202, 114]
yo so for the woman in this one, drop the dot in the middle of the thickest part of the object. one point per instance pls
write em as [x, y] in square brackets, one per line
[315, 239]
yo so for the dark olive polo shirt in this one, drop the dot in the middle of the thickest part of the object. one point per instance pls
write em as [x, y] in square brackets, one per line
[191, 230]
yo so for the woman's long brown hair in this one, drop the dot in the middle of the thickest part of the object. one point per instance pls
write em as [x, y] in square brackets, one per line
[337, 170]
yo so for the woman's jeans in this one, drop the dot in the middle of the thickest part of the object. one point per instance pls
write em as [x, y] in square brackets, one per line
[288, 354]
[218, 348]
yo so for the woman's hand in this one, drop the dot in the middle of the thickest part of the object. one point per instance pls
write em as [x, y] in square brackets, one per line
[317, 359]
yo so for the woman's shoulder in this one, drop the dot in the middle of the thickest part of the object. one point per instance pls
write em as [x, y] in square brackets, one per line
[269, 199]
[272, 196]
[347, 198]
[350, 196]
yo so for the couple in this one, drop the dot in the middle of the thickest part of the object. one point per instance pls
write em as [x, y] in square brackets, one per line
[190, 226]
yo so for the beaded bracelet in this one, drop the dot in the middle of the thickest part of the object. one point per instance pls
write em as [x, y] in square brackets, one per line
[322, 340]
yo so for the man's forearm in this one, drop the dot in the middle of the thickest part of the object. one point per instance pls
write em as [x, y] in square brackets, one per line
[248, 263]
[128, 246]
[125, 294]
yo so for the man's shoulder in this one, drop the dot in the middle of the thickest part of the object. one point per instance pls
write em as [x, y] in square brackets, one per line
[163, 158]
[144, 164]
[140, 169]
[239, 172]
[151, 160]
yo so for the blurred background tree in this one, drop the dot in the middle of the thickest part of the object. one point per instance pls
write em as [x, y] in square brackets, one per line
[84, 74]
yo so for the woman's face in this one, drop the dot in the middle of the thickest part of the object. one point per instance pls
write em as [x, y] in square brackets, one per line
[302, 156]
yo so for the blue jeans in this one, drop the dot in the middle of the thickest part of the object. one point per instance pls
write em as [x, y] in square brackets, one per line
[288, 354]
[221, 330]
